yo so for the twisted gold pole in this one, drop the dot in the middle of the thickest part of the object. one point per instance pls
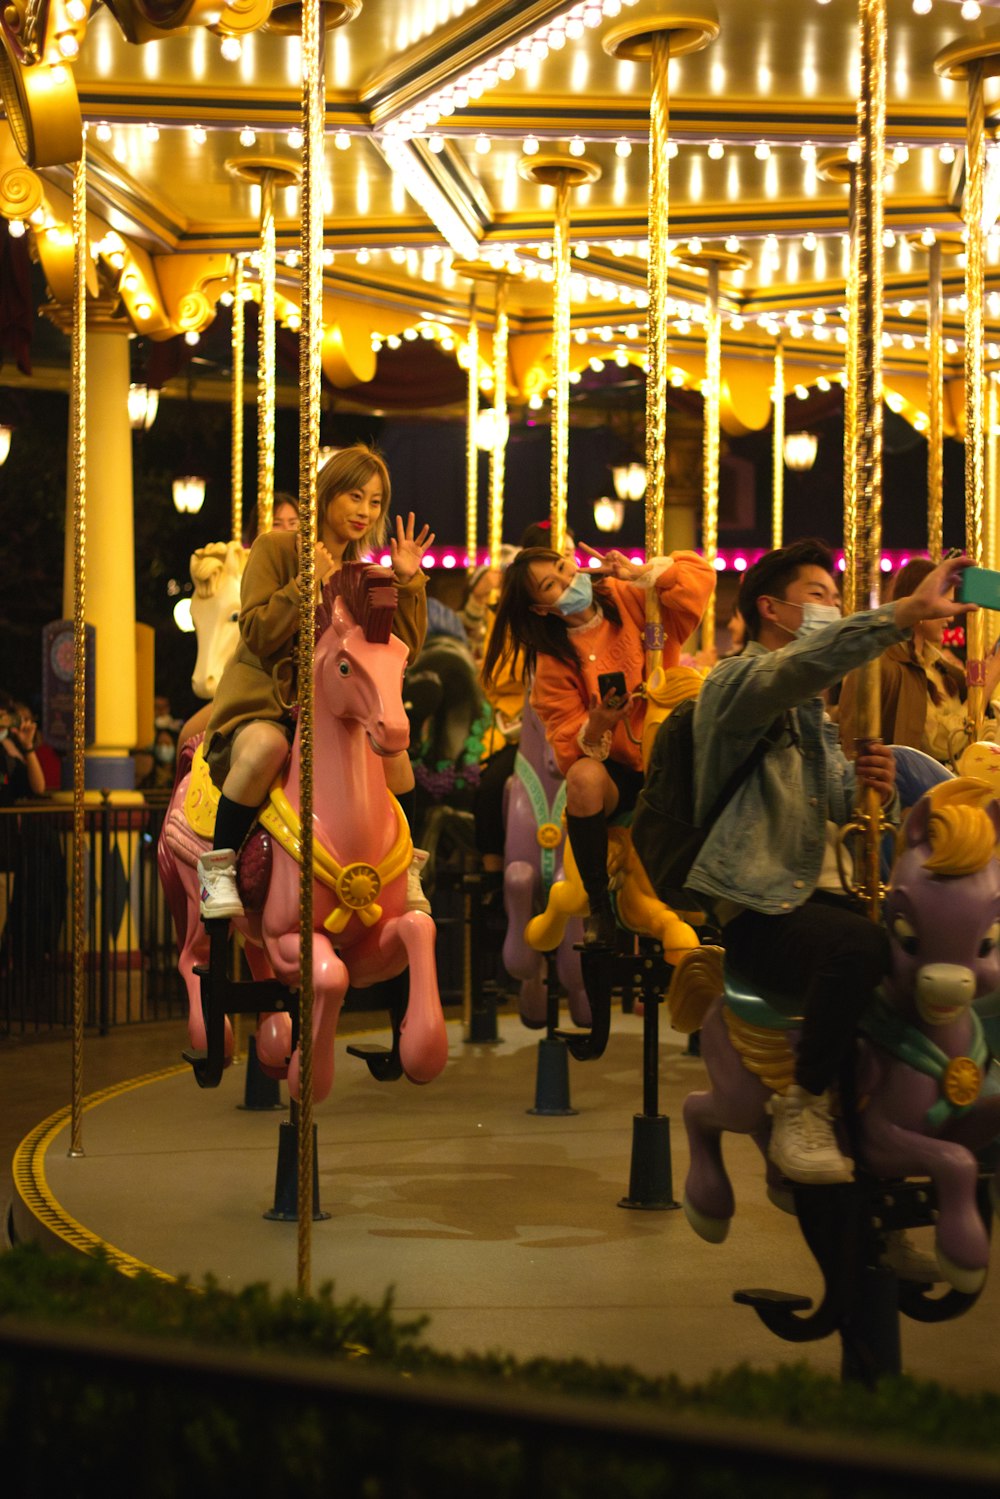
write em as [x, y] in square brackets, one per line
[778, 455]
[974, 374]
[935, 405]
[471, 450]
[991, 549]
[851, 404]
[238, 348]
[868, 428]
[310, 389]
[78, 434]
[560, 351]
[710, 466]
[265, 358]
[498, 451]
[656, 320]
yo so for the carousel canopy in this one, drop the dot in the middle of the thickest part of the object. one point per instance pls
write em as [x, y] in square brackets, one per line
[433, 109]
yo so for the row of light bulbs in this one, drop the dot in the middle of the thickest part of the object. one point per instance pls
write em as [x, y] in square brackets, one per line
[199, 135]
[971, 9]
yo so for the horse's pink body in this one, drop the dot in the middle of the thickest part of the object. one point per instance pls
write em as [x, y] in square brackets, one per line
[355, 821]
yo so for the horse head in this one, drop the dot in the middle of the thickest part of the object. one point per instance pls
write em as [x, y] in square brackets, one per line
[216, 572]
[943, 907]
[359, 662]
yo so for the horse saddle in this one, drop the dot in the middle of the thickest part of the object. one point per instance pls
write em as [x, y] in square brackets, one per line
[757, 1006]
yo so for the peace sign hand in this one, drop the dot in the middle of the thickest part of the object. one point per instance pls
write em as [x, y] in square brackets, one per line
[614, 565]
[407, 549]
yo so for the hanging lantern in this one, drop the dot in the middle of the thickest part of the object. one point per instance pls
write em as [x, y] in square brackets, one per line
[189, 494]
[609, 514]
[487, 425]
[800, 451]
[629, 480]
[143, 403]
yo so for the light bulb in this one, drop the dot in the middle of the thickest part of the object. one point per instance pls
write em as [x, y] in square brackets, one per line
[762, 150]
[623, 147]
[342, 140]
[103, 131]
[483, 145]
[248, 137]
[435, 143]
[716, 150]
[530, 146]
[232, 48]
[576, 146]
[199, 134]
[296, 140]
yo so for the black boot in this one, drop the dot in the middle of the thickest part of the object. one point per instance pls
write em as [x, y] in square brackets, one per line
[589, 838]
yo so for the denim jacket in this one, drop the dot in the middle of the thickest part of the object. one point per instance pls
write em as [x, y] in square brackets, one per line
[765, 850]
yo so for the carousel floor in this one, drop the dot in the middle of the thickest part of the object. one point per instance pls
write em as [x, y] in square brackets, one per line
[503, 1227]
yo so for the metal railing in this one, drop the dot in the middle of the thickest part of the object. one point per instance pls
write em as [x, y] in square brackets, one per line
[131, 958]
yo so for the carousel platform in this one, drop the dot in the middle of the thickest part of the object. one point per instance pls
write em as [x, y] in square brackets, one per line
[503, 1227]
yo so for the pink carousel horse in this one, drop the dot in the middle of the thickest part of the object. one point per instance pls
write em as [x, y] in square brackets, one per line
[362, 930]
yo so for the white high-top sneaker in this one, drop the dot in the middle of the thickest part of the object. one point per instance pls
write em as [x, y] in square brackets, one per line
[416, 900]
[220, 896]
[803, 1145]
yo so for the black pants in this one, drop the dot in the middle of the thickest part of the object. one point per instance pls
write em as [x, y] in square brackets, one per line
[487, 809]
[827, 959]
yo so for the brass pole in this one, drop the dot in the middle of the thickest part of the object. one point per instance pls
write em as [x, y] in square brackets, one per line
[560, 353]
[238, 347]
[78, 429]
[265, 358]
[868, 429]
[471, 450]
[497, 452]
[974, 372]
[657, 330]
[851, 404]
[710, 465]
[310, 344]
[778, 455]
[935, 405]
[991, 538]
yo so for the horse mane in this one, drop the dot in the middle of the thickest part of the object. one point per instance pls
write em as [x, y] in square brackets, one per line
[207, 564]
[370, 596]
[961, 833]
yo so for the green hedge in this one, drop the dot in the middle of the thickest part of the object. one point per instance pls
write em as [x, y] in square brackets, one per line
[75, 1432]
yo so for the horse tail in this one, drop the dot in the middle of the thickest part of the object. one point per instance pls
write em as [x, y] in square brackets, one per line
[695, 984]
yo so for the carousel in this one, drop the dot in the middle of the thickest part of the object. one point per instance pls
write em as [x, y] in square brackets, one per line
[689, 223]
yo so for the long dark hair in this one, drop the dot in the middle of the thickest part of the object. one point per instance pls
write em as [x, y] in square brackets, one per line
[519, 631]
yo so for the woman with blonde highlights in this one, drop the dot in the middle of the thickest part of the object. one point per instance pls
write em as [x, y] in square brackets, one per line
[250, 728]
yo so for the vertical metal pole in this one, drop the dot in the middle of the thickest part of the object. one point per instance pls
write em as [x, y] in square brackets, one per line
[935, 405]
[991, 539]
[310, 341]
[778, 455]
[656, 377]
[78, 420]
[560, 350]
[868, 430]
[498, 452]
[710, 463]
[265, 358]
[471, 450]
[238, 347]
[851, 405]
[974, 372]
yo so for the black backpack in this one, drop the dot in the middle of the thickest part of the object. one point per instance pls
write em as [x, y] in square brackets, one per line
[664, 832]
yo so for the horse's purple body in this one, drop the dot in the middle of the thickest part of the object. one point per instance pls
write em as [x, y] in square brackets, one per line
[524, 888]
[944, 931]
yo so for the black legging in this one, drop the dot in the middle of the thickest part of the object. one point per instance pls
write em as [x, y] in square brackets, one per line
[825, 957]
[487, 808]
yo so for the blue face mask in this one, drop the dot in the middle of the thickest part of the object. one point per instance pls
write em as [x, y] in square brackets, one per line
[578, 596]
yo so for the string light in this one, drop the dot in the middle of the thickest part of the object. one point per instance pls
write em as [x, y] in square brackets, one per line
[577, 146]
[716, 150]
[232, 48]
[971, 10]
[623, 147]
[342, 140]
[103, 131]
[248, 137]
[296, 140]
[762, 150]
[530, 146]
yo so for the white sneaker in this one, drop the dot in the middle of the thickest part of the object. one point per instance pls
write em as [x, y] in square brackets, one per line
[220, 897]
[416, 900]
[909, 1262]
[803, 1145]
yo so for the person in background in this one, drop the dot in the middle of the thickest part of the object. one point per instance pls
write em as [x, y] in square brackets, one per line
[285, 515]
[922, 693]
[20, 767]
[161, 776]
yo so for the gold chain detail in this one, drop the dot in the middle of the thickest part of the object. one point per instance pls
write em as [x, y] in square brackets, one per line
[498, 453]
[778, 456]
[78, 429]
[656, 322]
[238, 346]
[935, 407]
[974, 376]
[560, 361]
[471, 450]
[710, 477]
[265, 360]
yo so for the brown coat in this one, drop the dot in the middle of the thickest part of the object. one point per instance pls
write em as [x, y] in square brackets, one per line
[904, 697]
[258, 682]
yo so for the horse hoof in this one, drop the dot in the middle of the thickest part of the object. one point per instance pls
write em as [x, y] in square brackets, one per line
[712, 1230]
[783, 1199]
[969, 1282]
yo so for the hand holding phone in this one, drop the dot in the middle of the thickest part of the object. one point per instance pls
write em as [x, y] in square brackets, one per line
[611, 688]
[980, 586]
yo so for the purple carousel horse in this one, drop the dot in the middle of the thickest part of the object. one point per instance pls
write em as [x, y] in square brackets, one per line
[534, 799]
[923, 1060]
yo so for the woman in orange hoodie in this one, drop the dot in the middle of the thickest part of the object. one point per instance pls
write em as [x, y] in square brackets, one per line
[572, 626]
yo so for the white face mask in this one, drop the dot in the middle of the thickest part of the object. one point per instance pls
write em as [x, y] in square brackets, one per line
[814, 617]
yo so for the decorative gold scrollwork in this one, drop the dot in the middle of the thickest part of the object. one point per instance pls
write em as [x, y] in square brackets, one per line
[42, 108]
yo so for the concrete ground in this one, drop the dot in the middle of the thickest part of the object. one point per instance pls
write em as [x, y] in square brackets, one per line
[503, 1227]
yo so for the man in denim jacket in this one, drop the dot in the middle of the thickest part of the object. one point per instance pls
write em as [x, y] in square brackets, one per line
[768, 862]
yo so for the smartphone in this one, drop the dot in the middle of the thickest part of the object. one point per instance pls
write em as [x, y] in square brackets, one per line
[980, 586]
[613, 682]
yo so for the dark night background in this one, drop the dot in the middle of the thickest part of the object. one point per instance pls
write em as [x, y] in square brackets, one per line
[427, 463]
